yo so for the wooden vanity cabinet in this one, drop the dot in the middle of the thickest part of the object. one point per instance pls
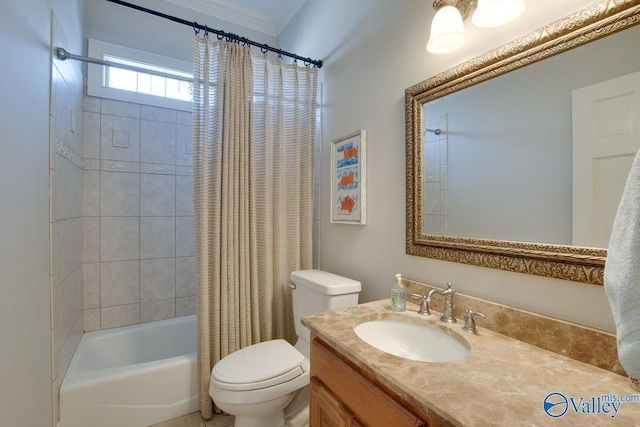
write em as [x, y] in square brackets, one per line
[341, 396]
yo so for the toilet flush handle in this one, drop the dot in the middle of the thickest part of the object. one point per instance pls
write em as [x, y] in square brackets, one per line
[292, 285]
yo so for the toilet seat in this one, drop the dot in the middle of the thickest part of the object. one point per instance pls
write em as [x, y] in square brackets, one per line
[259, 366]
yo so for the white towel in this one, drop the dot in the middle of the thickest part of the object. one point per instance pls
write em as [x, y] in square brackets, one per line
[622, 273]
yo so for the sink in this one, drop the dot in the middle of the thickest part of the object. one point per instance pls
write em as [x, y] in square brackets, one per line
[412, 341]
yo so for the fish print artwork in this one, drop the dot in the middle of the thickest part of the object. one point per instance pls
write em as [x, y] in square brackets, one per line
[347, 181]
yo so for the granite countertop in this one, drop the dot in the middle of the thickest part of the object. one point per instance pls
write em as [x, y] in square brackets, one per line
[502, 381]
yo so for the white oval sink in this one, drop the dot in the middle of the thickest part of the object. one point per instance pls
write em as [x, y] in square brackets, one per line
[412, 341]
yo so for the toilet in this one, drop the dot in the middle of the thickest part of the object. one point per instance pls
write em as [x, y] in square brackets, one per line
[266, 384]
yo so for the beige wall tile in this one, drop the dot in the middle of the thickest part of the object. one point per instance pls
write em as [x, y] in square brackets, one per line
[119, 194]
[90, 193]
[158, 142]
[91, 147]
[185, 306]
[90, 239]
[119, 283]
[121, 315]
[157, 195]
[119, 238]
[184, 118]
[184, 145]
[119, 108]
[67, 247]
[157, 237]
[91, 285]
[157, 310]
[158, 114]
[91, 104]
[185, 276]
[184, 196]
[68, 192]
[157, 279]
[185, 236]
[91, 319]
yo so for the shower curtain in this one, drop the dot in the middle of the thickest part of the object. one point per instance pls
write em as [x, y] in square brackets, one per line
[254, 128]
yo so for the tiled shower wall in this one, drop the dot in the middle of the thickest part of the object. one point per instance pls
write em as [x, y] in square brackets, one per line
[138, 252]
[435, 177]
[65, 213]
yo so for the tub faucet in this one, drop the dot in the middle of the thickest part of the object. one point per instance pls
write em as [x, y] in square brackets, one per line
[447, 314]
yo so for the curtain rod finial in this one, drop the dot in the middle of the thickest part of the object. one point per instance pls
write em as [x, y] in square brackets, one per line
[62, 54]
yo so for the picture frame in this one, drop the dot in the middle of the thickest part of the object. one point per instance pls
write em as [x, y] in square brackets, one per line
[349, 178]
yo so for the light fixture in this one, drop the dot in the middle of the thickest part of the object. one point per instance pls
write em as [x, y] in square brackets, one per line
[447, 27]
[494, 13]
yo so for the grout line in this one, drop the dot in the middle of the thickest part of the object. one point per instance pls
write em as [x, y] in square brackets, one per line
[140, 218]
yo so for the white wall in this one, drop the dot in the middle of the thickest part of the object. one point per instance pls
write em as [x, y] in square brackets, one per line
[127, 27]
[25, 301]
[373, 51]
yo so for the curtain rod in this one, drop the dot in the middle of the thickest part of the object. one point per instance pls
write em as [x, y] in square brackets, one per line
[222, 34]
[62, 54]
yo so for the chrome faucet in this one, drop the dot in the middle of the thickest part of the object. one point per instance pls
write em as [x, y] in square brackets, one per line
[424, 304]
[470, 323]
[447, 314]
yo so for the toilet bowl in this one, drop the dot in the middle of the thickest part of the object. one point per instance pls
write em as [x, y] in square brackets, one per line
[267, 384]
[258, 382]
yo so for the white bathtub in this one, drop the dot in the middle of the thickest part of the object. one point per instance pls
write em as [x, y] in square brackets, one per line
[132, 376]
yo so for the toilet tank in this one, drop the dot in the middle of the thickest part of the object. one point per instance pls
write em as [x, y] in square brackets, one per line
[314, 291]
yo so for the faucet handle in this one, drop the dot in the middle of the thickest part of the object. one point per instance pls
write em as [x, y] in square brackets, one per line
[469, 322]
[424, 304]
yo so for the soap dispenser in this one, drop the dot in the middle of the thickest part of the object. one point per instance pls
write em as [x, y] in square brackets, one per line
[398, 295]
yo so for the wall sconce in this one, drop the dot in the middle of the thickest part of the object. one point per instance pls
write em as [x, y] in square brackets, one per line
[447, 28]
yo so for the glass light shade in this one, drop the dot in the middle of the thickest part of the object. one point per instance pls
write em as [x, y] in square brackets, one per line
[447, 31]
[494, 13]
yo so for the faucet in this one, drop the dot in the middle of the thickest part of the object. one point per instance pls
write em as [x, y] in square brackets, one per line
[447, 314]
[424, 304]
[470, 323]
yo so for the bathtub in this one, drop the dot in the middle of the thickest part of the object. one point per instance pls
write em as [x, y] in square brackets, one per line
[132, 376]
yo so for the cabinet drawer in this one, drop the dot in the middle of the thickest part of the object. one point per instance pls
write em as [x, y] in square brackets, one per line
[370, 404]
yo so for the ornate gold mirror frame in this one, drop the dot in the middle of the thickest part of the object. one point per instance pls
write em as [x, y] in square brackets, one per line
[563, 262]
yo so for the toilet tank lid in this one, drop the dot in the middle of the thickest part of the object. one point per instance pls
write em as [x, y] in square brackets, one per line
[324, 282]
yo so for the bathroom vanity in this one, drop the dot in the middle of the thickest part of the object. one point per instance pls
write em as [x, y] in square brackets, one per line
[343, 395]
[502, 381]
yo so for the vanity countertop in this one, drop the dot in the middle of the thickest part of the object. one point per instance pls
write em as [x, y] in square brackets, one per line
[502, 381]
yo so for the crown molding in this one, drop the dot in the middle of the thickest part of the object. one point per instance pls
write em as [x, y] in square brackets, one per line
[283, 11]
[233, 13]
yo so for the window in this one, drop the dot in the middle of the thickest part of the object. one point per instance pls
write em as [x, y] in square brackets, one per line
[134, 86]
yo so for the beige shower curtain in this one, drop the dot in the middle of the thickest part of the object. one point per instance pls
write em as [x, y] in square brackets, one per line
[254, 129]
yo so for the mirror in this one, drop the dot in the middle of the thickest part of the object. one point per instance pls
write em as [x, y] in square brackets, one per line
[490, 168]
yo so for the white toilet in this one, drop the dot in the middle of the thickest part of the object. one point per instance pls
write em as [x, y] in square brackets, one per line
[266, 384]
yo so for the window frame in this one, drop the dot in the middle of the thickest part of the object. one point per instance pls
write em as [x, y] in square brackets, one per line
[95, 75]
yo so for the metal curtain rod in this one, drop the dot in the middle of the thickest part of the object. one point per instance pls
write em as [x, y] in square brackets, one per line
[62, 54]
[229, 36]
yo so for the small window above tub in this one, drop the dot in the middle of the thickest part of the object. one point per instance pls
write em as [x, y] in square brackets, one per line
[136, 86]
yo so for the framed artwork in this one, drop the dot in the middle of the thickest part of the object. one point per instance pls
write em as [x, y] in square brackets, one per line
[348, 178]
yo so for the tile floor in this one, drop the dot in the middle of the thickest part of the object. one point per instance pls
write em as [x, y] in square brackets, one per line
[195, 420]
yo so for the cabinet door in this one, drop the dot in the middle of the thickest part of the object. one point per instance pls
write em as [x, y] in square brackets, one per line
[369, 403]
[325, 410]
